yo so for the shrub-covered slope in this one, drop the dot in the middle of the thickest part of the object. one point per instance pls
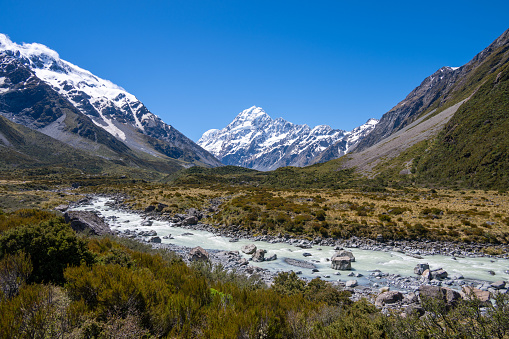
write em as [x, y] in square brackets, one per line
[473, 148]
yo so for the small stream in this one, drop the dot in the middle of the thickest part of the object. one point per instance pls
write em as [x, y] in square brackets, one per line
[366, 261]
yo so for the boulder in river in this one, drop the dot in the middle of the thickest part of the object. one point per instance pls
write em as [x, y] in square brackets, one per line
[146, 223]
[439, 274]
[259, 255]
[299, 263]
[248, 249]
[271, 258]
[155, 240]
[150, 233]
[341, 263]
[420, 268]
[87, 221]
[198, 254]
[344, 254]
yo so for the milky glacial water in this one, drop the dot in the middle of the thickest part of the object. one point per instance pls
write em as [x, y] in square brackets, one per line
[366, 260]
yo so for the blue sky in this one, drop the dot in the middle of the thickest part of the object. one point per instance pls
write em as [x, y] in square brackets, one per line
[197, 64]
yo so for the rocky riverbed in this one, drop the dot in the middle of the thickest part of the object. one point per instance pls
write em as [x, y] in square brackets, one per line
[378, 281]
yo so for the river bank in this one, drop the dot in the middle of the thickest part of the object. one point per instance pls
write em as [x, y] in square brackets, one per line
[367, 284]
[410, 247]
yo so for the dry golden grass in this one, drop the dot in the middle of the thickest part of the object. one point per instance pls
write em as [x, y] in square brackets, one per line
[480, 216]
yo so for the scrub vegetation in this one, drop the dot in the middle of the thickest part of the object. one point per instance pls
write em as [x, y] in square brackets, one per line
[71, 286]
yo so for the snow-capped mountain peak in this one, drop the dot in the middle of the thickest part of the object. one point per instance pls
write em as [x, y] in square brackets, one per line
[108, 105]
[253, 139]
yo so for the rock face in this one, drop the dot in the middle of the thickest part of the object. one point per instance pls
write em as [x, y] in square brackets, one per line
[341, 263]
[87, 221]
[389, 297]
[198, 254]
[248, 249]
[254, 140]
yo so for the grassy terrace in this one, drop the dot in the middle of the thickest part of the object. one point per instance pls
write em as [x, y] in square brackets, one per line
[410, 213]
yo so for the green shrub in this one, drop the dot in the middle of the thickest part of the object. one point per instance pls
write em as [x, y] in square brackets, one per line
[52, 246]
[14, 273]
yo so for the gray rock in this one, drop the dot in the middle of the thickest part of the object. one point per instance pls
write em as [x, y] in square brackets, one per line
[344, 254]
[259, 255]
[498, 285]
[150, 233]
[243, 262]
[191, 220]
[420, 268]
[198, 254]
[439, 274]
[146, 223]
[299, 263]
[389, 297]
[248, 249]
[271, 258]
[446, 294]
[410, 298]
[351, 283]
[341, 263]
[306, 254]
[87, 221]
[155, 240]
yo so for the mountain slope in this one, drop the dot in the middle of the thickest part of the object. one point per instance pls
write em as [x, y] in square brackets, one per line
[473, 148]
[444, 88]
[107, 105]
[459, 141]
[255, 140]
[24, 148]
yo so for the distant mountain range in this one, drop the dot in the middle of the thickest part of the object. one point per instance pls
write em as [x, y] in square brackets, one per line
[450, 130]
[54, 97]
[255, 140]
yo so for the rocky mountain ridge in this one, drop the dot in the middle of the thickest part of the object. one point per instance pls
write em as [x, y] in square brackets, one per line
[445, 87]
[255, 140]
[107, 105]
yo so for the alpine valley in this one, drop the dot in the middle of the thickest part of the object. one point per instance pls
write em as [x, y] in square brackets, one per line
[115, 225]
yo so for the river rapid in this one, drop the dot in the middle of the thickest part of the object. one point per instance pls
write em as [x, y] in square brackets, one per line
[396, 266]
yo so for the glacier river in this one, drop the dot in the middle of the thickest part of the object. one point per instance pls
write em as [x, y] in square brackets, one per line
[476, 268]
